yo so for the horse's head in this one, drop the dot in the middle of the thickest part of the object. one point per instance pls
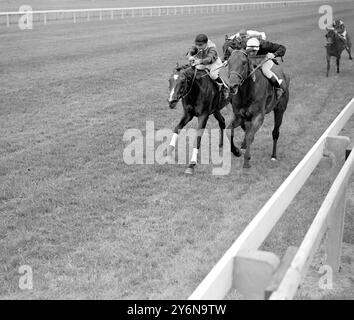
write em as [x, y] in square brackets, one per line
[231, 44]
[238, 69]
[331, 36]
[178, 85]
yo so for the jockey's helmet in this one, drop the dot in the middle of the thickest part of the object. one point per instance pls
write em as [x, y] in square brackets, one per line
[201, 39]
[252, 44]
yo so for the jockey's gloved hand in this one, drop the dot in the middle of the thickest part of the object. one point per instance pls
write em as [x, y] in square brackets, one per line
[197, 61]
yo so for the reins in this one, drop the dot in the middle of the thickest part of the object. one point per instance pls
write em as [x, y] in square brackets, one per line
[252, 72]
[190, 89]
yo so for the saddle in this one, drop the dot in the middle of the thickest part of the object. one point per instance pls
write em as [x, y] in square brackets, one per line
[279, 88]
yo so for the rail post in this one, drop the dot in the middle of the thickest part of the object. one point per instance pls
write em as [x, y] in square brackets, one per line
[335, 148]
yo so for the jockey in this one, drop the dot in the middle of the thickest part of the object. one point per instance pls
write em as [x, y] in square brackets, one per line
[244, 34]
[203, 55]
[271, 50]
[340, 29]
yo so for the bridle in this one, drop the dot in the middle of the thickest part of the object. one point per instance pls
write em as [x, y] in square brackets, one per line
[185, 86]
[242, 79]
[191, 86]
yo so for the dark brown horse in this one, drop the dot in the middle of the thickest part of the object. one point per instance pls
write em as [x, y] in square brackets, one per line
[253, 97]
[200, 98]
[335, 46]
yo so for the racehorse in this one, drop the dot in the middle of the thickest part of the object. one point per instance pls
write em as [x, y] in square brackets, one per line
[335, 46]
[253, 96]
[200, 98]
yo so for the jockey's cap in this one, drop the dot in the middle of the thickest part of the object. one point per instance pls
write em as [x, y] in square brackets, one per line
[252, 44]
[201, 38]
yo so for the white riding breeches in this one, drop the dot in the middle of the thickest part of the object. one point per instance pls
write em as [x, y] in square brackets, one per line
[266, 69]
[213, 68]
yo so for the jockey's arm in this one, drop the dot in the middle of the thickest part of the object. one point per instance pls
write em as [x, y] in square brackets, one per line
[211, 57]
[277, 49]
[235, 36]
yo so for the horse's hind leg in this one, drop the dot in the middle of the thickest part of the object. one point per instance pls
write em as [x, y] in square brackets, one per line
[328, 64]
[202, 121]
[221, 120]
[337, 60]
[278, 119]
[350, 53]
[251, 130]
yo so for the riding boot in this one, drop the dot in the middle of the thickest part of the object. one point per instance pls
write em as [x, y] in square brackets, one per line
[279, 88]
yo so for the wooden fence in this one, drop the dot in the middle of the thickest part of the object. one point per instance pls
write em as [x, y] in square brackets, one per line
[76, 15]
[259, 274]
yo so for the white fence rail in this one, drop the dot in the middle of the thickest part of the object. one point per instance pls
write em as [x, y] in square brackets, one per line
[243, 260]
[76, 15]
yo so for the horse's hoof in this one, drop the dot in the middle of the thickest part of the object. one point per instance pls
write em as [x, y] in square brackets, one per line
[243, 146]
[246, 165]
[221, 145]
[350, 58]
[274, 159]
[189, 170]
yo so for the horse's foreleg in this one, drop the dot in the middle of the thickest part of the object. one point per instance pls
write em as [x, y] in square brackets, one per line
[236, 121]
[221, 120]
[350, 53]
[202, 121]
[328, 64]
[182, 123]
[243, 144]
[337, 60]
[278, 118]
[251, 130]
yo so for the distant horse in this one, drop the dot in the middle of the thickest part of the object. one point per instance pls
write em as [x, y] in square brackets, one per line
[200, 98]
[335, 46]
[252, 92]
